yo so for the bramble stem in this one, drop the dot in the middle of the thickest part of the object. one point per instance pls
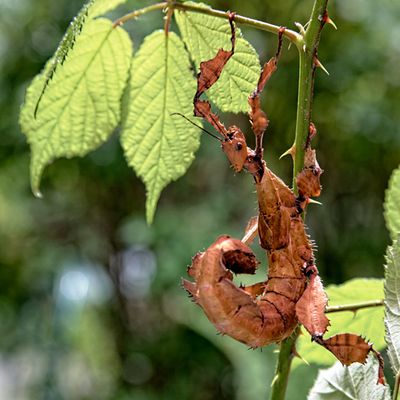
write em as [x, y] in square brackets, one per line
[286, 354]
[355, 306]
[293, 36]
[137, 13]
[307, 66]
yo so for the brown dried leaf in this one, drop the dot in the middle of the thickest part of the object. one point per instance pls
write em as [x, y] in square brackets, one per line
[310, 309]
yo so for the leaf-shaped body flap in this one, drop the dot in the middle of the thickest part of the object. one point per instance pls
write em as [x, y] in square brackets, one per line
[348, 348]
[204, 36]
[310, 309]
[350, 292]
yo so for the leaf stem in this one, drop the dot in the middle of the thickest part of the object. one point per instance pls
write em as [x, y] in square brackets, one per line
[307, 66]
[355, 306]
[293, 36]
[137, 13]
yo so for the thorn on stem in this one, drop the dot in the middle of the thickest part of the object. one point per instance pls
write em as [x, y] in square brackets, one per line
[318, 64]
[327, 20]
[297, 355]
[274, 380]
[291, 152]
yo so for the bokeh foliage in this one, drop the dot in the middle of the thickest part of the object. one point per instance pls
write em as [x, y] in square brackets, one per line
[87, 306]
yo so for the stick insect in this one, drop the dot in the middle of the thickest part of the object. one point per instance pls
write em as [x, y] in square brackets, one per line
[269, 311]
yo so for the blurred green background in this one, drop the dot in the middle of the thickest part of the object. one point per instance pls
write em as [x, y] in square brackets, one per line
[90, 299]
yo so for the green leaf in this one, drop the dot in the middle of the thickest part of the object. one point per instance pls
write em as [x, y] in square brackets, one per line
[392, 204]
[353, 291]
[100, 7]
[357, 382]
[67, 43]
[204, 36]
[159, 146]
[81, 105]
[392, 302]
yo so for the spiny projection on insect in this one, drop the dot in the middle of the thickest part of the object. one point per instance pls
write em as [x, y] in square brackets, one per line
[266, 312]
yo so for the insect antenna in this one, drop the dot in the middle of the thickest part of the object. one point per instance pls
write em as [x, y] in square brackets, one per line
[198, 126]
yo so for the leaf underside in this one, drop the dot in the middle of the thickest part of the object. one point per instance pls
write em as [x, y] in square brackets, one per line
[67, 43]
[159, 146]
[204, 36]
[356, 382]
[392, 302]
[392, 205]
[100, 7]
[81, 105]
[353, 291]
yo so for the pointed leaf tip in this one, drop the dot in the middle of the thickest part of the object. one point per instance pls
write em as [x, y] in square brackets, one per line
[38, 194]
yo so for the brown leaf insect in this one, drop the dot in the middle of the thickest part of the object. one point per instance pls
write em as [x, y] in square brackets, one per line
[269, 311]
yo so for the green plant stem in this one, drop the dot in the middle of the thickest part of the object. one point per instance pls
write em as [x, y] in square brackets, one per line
[293, 36]
[307, 54]
[264, 26]
[355, 306]
[286, 354]
[137, 13]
